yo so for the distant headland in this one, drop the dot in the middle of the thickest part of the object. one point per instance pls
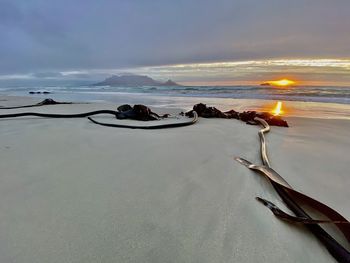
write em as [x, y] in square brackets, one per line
[133, 81]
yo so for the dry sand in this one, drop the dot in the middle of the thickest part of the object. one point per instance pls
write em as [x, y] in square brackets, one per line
[72, 191]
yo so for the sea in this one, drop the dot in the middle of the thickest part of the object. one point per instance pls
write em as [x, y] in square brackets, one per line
[298, 101]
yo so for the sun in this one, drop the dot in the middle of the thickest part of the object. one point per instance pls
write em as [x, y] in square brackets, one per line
[282, 82]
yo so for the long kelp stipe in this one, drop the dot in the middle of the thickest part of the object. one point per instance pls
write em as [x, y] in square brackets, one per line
[192, 120]
[289, 196]
[45, 102]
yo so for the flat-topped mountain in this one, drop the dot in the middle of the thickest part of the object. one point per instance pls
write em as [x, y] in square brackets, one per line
[134, 80]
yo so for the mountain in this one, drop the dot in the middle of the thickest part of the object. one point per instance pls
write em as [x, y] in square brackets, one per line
[134, 81]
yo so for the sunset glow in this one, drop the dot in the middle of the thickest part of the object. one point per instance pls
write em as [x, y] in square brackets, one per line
[278, 109]
[282, 82]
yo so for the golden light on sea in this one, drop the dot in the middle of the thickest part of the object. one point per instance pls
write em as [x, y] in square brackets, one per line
[281, 82]
[278, 109]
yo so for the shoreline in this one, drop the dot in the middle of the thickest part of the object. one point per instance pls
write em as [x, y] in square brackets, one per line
[295, 109]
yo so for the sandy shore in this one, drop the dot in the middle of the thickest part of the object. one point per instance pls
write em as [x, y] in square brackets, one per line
[72, 191]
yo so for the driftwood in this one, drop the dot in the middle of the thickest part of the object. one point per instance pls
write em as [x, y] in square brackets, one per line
[246, 116]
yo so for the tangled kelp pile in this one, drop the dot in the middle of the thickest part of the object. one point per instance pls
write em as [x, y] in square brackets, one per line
[247, 116]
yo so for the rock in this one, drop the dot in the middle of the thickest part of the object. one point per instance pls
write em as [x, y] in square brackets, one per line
[48, 102]
[39, 92]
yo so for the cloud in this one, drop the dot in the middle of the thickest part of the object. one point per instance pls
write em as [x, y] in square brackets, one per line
[45, 36]
[47, 75]
[305, 71]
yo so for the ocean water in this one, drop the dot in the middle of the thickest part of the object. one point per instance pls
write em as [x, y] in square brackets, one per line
[304, 101]
[293, 93]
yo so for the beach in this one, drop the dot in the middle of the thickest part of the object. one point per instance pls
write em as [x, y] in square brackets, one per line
[73, 191]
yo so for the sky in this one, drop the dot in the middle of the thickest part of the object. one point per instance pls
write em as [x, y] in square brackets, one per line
[196, 42]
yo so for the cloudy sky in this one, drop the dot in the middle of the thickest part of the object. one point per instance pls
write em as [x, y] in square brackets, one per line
[190, 41]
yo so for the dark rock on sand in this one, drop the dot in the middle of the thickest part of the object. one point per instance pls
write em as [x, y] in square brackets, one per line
[50, 102]
[39, 92]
